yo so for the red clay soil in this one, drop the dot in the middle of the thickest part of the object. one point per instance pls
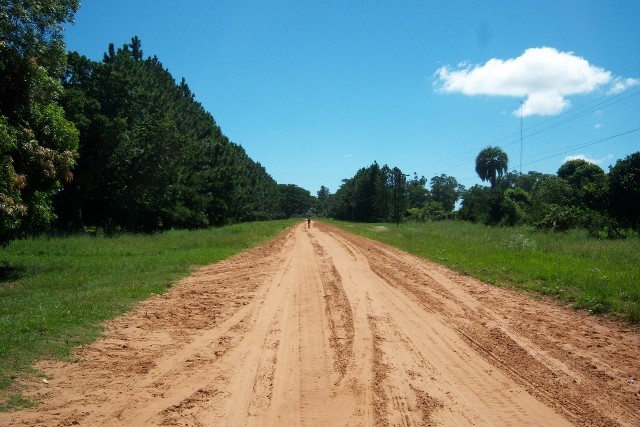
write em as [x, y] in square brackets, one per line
[321, 327]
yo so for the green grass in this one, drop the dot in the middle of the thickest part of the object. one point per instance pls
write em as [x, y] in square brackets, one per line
[602, 276]
[56, 292]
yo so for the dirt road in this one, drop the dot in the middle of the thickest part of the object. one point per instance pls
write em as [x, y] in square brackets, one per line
[321, 327]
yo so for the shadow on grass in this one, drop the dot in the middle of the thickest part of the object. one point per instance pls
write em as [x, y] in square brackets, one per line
[10, 273]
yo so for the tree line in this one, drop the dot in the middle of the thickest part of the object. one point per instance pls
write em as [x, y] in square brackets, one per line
[150, 157]
[119, 144]
[579, 195]
[116, 144]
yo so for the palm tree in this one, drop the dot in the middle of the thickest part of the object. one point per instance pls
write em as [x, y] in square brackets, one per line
[491, 164]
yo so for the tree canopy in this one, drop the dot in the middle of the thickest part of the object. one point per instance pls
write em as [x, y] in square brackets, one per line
[491, 164]
[624, 190]
[120, 144]
[38, 145]
[151, 157]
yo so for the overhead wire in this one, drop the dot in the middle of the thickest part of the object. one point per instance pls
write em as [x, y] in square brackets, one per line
[462, 159]
[587, 144]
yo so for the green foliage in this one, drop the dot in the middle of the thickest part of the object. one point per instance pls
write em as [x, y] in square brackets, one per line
[374, 194]
[398, 185]
[151, 157]
[295, 200]
[588, 181]
[491, 164]
[430, 211]
[37, 143]
[324, 197]
[598, 275]
[624, 190]
[579, 173]
[446, 191]
[55, 292]
[581, 195]
[416, 191]
[476, 204]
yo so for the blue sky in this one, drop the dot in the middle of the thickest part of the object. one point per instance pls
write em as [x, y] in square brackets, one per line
[316, 90]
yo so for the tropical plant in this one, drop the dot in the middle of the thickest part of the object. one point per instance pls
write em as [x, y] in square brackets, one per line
[491, 164]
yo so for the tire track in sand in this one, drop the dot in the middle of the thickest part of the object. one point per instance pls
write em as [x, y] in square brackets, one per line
[425, 373]
[323, 328]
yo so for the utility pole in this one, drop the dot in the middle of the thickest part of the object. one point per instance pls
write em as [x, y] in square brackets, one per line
[520, 137]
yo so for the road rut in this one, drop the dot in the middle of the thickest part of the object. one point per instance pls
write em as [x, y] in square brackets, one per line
[322, 327]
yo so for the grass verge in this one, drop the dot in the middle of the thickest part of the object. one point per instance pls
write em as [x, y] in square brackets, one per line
[56, 292]
[602, 276]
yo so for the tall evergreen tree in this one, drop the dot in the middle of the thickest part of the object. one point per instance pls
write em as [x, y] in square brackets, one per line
[150, 156]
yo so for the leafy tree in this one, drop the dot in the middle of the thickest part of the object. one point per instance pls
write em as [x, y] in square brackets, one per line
[528, 181]
[491, 164]
[514, 206]
[324, 196]
[366, 191]
[295, 200]
[37, 143]
[416, 191]
[365, 197]
[624, 190]
[383, 195]
[579, 172]
[588, 181]
[430, 211]
[476, 204]
[342, 202]
[446, 191]
[554, 190]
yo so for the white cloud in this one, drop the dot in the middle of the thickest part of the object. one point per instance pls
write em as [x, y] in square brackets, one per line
[585, 158]
[544, 77]
[598, 126]
[620, 85]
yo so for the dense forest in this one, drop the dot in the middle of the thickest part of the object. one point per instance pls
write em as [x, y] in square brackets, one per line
[119, 144]
[115, 145]
[150, 157]
[579, 195]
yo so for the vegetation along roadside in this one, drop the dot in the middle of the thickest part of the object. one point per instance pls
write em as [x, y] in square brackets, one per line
[599, 275]
[56, 292]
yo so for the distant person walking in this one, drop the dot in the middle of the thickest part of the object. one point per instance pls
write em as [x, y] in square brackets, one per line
[308, 222]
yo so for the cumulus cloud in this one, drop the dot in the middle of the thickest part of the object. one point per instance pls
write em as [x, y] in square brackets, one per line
[544, 77]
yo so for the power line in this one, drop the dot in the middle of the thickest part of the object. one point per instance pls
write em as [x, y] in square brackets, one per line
[587, 144]
[578, 114]
[570, 115]
[566, 149]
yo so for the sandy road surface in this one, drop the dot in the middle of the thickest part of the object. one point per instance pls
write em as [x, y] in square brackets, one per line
[321, 327]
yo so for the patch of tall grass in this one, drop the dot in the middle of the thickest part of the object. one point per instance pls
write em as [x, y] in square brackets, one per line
[602, 276]
[56, 292]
